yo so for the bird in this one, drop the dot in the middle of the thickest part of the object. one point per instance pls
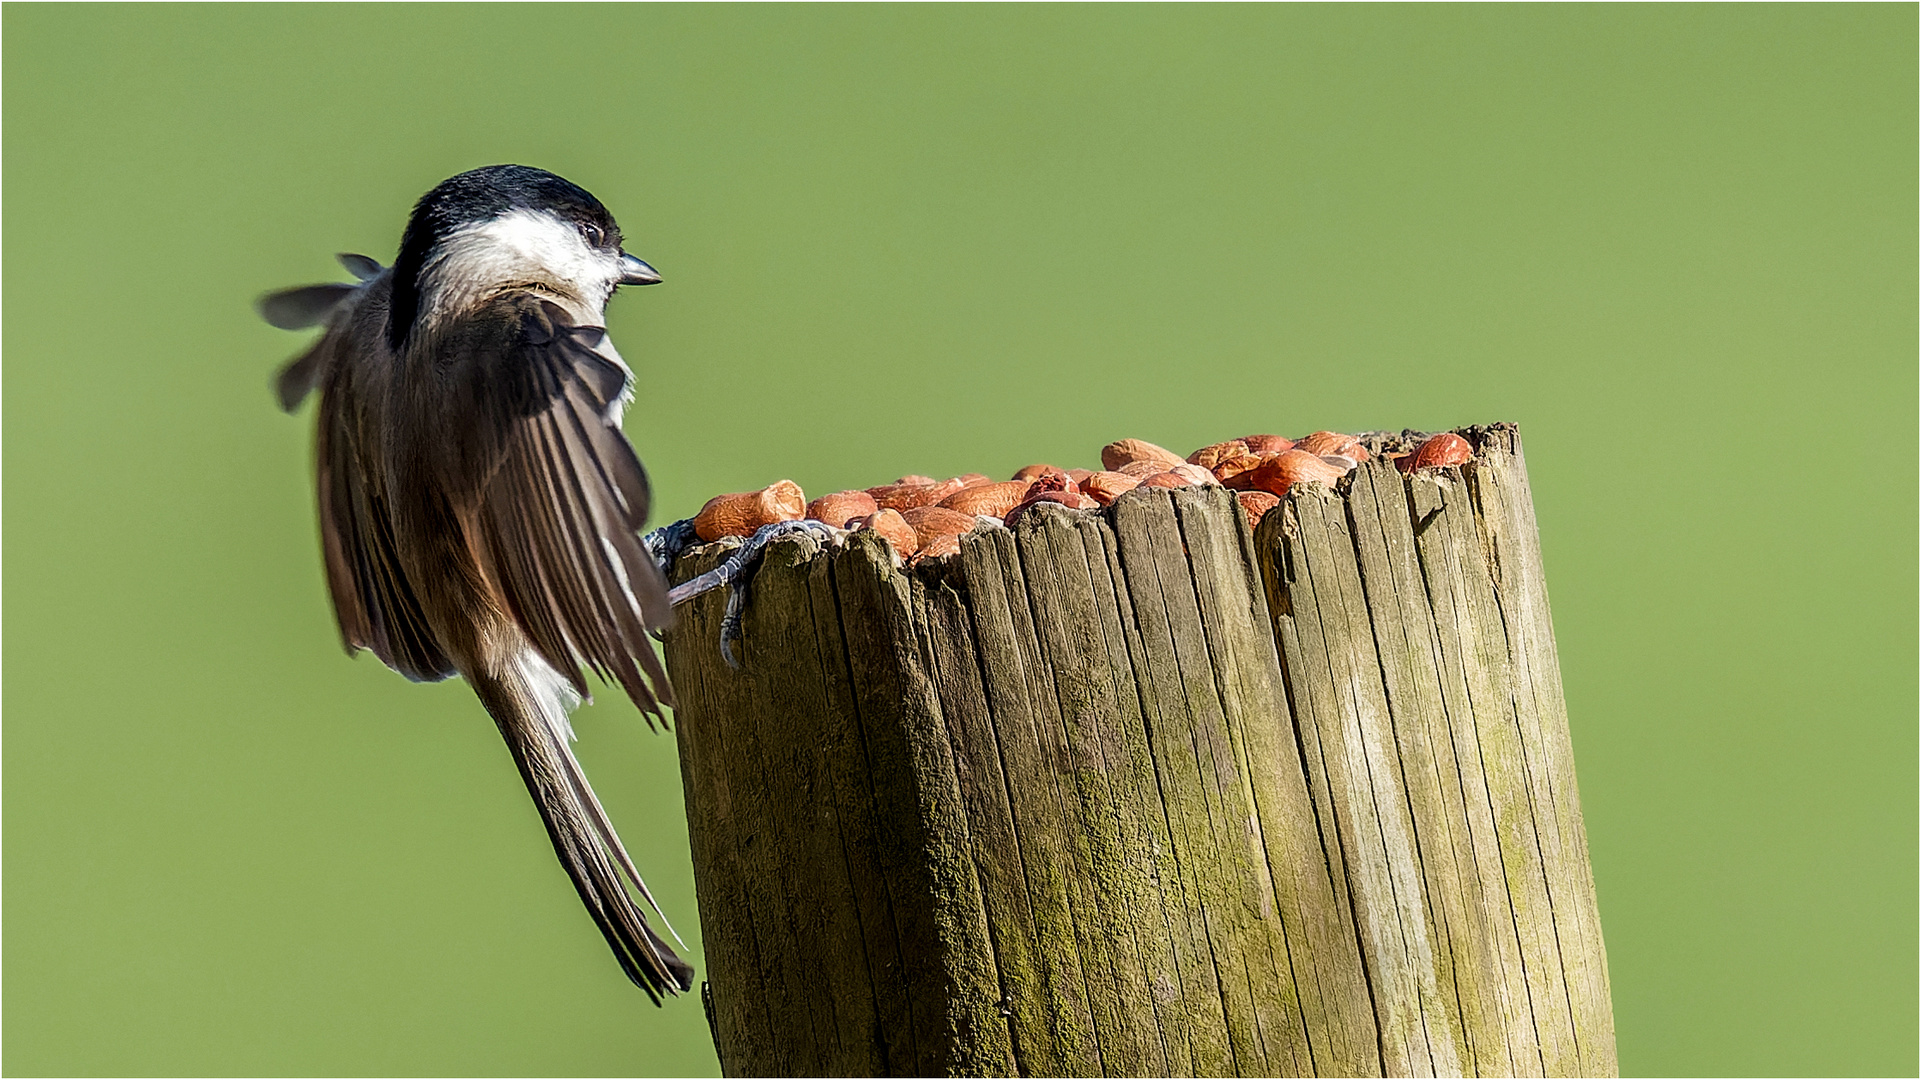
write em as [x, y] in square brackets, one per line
[480, 507]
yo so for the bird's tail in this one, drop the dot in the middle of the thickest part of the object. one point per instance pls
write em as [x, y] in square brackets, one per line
[529, 703]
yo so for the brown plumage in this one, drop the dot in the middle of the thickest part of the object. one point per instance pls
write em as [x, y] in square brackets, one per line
[480, 515]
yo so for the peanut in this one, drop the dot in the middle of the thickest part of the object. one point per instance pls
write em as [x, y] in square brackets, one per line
[1207, 457]
[1267, 444]
[1141, 470]
[1440, 451]
[1283, 471]
[742, 513]
[939, 548]
[894, 529]
[929, 522]
[1256, 504]
[1072, 499]
[908, 496]
[842, 507]
[1233, 471]
[1326, 442]
[994, 500]
[1105, 487]
[1116, 454]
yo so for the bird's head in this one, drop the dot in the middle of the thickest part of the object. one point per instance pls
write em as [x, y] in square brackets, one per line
[507, 227]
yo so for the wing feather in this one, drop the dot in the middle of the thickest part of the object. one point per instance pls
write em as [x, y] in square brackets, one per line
[561, 509]
[311, 305]
[375, 605]
[598, 553]
[304, 305]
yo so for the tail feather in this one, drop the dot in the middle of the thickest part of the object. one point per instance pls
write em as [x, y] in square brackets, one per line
[531, 714]
[604, 828]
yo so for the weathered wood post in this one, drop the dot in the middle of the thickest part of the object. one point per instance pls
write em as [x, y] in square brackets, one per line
[1142, 791]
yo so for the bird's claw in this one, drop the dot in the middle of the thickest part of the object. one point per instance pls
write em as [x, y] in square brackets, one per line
[668, 542]
[730, 622]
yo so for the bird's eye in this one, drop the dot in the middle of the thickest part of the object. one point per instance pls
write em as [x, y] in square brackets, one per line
[593, 234]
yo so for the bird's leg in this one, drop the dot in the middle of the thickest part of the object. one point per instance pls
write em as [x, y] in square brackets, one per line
[668, 542]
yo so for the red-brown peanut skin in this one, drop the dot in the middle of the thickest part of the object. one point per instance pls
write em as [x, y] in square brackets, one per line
[994, 500]
[1326, 442]
[911, 478]
[908, 496]
[1054, 481]
[1141, 470]
[1256, 504]
[1283, 471]
[1195, 475]
[842, 507]
[929, 522]
[1209, 456]
[1233, 471]
[939, 548]
[973, 479]
[1058, 480]
[1105, 487]
[894, 529]
[1267, 444]
[1031, 472]
[1116, 454]
[1438, 452]
[1071, 499]
[1182, 475]
[742, 513]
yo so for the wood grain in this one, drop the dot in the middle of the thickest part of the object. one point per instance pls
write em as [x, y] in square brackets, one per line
[1143, 791]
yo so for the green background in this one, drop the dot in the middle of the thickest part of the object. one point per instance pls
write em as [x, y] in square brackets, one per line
[1677, 244]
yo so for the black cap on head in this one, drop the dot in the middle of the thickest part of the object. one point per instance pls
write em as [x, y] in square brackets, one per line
[475, 196]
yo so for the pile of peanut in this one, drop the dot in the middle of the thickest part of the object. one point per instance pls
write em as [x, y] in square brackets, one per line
[924, 518]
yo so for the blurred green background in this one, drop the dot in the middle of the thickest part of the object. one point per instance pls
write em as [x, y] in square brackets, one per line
[1677, 244]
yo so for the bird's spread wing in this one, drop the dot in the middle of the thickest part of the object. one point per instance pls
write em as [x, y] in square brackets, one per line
[562, 500]
[374, 603]
[373, 600]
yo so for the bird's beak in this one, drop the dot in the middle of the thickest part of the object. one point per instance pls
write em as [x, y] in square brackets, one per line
[635, 272]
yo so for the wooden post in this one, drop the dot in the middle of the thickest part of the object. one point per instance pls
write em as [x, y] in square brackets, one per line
[1145, 792]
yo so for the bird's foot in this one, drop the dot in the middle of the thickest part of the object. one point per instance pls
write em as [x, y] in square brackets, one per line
[735, 572]
[667, 543]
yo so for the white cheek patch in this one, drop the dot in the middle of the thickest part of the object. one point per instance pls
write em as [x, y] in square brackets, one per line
[517, 248]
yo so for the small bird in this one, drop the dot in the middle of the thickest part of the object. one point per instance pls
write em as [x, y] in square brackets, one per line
[480, 509]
